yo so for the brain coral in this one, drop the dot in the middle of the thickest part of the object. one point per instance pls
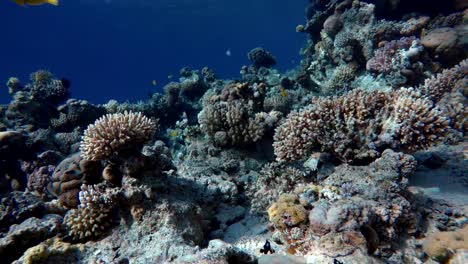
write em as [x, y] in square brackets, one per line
[113, 134]
[359, 125]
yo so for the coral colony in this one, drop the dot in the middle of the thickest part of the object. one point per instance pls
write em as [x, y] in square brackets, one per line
[321, 161]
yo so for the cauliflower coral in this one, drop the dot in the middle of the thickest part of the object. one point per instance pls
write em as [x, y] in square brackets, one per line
[358, 126]
[113, 134]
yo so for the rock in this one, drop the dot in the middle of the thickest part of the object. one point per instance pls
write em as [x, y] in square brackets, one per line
[220, 252]
[251, 226]
[19, 206]
[27, 234]
[227, 214]
[279, 259]
[332, 25]
[443, 43]
[13, 145]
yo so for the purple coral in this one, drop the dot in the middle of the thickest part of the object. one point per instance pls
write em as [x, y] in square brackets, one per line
[388, 58]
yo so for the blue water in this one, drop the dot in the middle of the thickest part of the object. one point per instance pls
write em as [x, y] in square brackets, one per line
[115, 48]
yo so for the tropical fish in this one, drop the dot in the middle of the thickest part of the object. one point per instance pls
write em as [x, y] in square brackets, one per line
[267, 248]
[283, 92]
[154, 82]
[36, 2]
[228, 52]
[170, 76]
[173, 133]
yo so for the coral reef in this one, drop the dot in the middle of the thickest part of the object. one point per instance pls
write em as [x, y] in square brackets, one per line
[368, 133]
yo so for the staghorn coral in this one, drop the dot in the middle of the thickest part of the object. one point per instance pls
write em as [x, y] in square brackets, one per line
[359, 125]
[445, 82]
[448, 89]
[113, 134]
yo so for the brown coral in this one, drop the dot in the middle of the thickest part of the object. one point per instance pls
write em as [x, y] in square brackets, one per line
[113, 134]
[445, 82]
[234, 116]
[287, 212]
[441, 245]
[360, 124]
[87, 222]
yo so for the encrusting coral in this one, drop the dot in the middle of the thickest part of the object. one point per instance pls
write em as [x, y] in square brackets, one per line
[359, 125]
[113, 134]
[287, 212]
[442, 245]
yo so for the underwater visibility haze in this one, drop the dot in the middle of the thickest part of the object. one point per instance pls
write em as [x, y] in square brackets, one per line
[248, 131]
[115, 48]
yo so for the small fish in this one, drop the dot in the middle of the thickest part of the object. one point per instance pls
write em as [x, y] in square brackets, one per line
[36, 2]
[283, 92]
[228, 52]
[173, 133]
[65, 83]
[154, 82]
[267, 248]
[170, 76]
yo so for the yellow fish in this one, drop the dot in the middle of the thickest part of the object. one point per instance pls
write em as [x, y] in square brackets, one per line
[173, 133]
[283, 92]
[36, 2]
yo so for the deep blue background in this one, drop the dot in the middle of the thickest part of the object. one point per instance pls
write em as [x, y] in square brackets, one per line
[115, 48]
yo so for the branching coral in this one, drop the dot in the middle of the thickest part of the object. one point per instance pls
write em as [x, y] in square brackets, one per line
[234, 117]
[359, 125]
[388, 58]
[44, 87]
[113, 134]
[94, 214]
[445, 82]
